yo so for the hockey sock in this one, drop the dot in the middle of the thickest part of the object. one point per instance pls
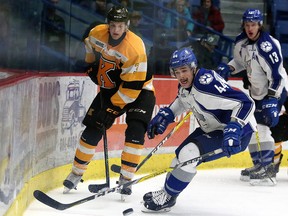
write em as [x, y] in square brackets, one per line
[277, 152]
[130, 158]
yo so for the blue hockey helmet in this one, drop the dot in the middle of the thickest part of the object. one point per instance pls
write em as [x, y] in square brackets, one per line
[252, 15]
[182, 57]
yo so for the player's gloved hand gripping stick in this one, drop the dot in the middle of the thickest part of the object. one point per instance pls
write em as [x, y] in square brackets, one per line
[231, 138]
[270, 111]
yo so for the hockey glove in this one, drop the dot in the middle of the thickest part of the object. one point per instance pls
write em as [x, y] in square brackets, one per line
[92, 71]
[246, 82]
[280, 131]
[224, 70]
[270, 111]
[231, 138]
[107, 116]
[159, 123]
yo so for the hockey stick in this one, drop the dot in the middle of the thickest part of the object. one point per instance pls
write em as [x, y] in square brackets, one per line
[98, 187]
[259, 148]
[117, 168]
[47, 200]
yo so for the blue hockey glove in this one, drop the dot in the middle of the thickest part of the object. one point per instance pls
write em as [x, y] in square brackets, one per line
[160, 122]
[231, 138]
[224, 70]
[270, 111]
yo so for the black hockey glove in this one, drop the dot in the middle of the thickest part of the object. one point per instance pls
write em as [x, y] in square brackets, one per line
[246, 82]
[92, 71]
[280, 131]
[107, 116]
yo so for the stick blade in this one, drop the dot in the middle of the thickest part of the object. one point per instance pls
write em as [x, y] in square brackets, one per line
[115, 168]
[95, 188]
[45, 199]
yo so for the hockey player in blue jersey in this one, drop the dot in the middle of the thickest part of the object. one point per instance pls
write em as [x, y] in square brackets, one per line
[225, 116]
[260, 55]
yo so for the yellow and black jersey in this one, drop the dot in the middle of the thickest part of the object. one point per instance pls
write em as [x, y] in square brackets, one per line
[123, 66]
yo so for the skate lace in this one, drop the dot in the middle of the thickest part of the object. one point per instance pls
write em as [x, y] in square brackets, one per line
[160, 197]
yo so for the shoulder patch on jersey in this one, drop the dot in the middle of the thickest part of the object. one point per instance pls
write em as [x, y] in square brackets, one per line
[266, 46]
[206, 78]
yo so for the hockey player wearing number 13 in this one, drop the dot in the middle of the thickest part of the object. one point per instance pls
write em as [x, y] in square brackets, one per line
[260, 55]
[226, 119]
[118, 64]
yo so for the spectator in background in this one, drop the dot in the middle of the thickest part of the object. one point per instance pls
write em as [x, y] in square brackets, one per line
[204, 49]
[85, 3]
[102, 10]
[135, 18]
[183, 27]
[208, 15]
[173, 36]
[125, 3]
[160, 12]
[101, 7]
[217, 4]
[53, 37]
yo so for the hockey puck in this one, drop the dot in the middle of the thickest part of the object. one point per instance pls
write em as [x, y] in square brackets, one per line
[128, 211]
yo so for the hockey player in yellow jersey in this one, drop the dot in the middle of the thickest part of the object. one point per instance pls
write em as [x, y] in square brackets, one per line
[117, 62]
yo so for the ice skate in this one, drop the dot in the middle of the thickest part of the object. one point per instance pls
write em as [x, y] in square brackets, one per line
[71, 182]
[124, 191]
[158, 201]
[266, 176]
[245, 174]
[151, 194]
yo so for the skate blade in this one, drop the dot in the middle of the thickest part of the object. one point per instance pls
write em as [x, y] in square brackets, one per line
[145, 210]
[124, 197]
[66, 190]
[263, 182]
[245, 178]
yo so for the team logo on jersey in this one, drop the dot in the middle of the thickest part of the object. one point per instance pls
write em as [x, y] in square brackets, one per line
[266, 46]
[206, 79]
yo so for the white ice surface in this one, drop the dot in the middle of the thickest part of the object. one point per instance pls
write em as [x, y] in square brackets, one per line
[217, 192]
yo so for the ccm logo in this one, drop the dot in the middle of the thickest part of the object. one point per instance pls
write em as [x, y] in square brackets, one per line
[164, 113]
[269, 106]
[230, 130]
[112, 111]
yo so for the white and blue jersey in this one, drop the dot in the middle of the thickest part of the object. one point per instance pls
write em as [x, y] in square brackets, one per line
[214, 103]
[262, 59]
